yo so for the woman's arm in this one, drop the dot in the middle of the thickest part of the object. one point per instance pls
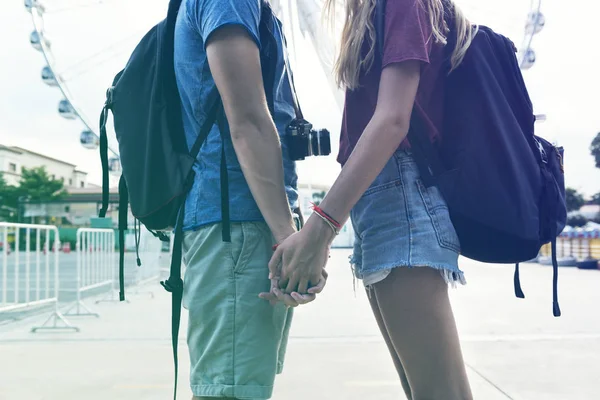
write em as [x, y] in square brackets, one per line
[380, 139]
[304, 254]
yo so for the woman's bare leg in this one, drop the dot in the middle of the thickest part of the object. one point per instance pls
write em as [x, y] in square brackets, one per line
[388, 342]
[418, 317]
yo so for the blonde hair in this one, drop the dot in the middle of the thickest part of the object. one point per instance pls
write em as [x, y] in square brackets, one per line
[359, 26]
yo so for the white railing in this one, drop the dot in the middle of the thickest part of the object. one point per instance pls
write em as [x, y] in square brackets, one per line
[96, 266]
[32, 269]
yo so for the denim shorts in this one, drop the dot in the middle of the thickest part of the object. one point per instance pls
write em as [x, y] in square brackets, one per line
[399, 222]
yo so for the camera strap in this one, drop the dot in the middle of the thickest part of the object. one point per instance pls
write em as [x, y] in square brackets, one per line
[290, 77]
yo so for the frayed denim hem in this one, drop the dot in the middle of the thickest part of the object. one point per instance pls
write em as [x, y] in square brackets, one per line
[452, 275]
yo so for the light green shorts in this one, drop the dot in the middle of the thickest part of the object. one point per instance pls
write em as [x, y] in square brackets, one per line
[236, 340]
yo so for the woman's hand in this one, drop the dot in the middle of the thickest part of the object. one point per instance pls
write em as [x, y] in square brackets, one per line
[297, 266]
[299, 260]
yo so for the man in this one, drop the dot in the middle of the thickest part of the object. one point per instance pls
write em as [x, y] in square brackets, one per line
[236, 340]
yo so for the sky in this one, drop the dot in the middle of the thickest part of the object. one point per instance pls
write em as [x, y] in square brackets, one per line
[92, 42]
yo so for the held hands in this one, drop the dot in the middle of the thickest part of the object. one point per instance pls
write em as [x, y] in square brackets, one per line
[294, 299]
[297, 267]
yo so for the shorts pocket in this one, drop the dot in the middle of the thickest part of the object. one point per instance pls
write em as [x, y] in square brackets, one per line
[382, 187]
[245, 239]
[440, 217]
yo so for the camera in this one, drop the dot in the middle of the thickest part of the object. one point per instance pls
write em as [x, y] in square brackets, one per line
[303, 141]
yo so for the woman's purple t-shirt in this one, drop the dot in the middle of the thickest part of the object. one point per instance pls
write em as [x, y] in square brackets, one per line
[408, 36]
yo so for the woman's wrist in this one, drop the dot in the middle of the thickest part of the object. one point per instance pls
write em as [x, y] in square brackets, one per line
[319, 229]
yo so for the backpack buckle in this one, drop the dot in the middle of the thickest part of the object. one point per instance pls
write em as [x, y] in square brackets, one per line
[560, 160]
[542, 151]
[109, 96]
[163, 237]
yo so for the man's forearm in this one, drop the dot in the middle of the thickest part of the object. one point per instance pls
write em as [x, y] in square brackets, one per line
[234, 60]
[259, 152]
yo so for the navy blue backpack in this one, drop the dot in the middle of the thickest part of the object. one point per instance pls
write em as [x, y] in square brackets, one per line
[504, 186]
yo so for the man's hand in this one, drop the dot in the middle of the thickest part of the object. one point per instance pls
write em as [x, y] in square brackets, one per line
[294, 299]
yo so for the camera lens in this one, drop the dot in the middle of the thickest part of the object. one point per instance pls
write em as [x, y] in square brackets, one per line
[321, 142]
[325, 142]
[303, 141]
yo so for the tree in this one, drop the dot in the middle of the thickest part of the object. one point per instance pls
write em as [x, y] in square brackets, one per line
[595, 149]
[37, 186]
[4, 188]
[577, 221]
[574, 200]
[596, 200]
[318, 197]
[8, 201]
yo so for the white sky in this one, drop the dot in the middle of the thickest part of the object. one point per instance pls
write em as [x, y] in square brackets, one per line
[564, 83]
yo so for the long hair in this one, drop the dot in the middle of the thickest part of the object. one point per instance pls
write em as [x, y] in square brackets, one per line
[359, 26]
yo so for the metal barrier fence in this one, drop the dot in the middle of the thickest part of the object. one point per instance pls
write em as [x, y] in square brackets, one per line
[30, 271]
[96, 266]
[578, 248]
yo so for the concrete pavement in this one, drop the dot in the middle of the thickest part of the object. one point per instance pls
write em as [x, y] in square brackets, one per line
[515, 349]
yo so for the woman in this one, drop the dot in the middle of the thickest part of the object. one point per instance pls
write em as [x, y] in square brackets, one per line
[406, 249]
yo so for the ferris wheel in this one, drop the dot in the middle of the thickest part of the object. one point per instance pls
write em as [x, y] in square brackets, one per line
[520, 20]
[84, 43]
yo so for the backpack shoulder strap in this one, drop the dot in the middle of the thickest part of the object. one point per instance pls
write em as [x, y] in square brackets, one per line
[210, 120]
[104, 154]
[380, 25]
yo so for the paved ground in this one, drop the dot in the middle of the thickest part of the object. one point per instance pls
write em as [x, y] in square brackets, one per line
[514, 348]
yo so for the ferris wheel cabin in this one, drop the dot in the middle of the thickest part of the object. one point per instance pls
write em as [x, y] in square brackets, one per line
[48, 76]
[66, 110]
[38, 40]
[528, 59]
[114, 165]
[89, 140]
[535, 22]
[31, 4]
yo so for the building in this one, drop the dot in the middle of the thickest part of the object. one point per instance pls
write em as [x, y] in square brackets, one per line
[305, 199]
[78, 208]
[14, 159]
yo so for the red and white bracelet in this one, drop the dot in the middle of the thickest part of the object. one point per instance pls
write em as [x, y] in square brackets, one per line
[333, 224]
